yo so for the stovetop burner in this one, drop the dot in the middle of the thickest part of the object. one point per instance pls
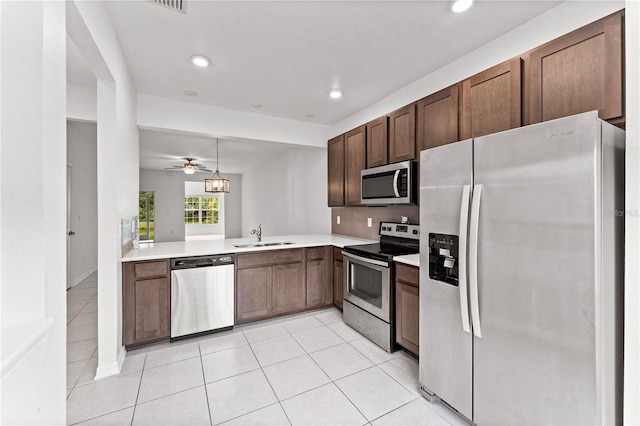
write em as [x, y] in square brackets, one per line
[396, 239]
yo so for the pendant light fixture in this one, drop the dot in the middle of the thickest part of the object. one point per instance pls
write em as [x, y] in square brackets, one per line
[217, 183]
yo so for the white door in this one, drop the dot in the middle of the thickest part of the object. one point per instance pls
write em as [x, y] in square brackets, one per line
[70, 233]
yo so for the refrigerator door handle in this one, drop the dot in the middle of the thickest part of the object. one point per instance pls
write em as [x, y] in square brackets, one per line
[395, 183]
[473, 260]
[462, 258]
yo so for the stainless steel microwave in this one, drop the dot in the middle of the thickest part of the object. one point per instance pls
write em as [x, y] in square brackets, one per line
[391, 184]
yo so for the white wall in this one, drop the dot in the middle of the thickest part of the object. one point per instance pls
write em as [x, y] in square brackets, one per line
[632, 218]
[163, 113]
[560, 20]
[82, 102]
[169, 188]
[82, 138]
[32, 212]
[91, 30]
[287, 194]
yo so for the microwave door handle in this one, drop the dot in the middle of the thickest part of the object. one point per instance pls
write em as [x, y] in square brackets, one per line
[395, 183]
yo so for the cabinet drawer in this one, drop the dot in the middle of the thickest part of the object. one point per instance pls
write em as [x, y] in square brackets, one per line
[268, 258]
[315, 253]
[408, 274]
[151, 269]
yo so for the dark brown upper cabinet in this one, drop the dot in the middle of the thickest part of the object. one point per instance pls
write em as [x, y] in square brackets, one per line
[492, 100]
[335, 160]
[377, 142]
[581, 71]
[438, 118]
[355, 143]
[402, 134]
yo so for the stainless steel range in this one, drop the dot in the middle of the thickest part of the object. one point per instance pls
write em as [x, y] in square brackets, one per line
[369, 281]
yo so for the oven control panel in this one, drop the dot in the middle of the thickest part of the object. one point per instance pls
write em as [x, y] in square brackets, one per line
[443, 258]
[402, 230]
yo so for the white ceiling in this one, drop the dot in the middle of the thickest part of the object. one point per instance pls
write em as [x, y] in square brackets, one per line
[287, 55]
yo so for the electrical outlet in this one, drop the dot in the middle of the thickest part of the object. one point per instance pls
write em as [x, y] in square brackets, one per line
[369, 222]
[337, 220]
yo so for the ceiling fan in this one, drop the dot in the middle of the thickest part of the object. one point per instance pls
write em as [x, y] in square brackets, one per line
[189, 167]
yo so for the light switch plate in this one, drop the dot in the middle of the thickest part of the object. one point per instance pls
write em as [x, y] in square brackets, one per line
[337, 220]
[369, 222]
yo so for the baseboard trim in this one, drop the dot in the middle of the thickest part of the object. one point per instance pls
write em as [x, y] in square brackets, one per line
[83, 276]
[112, 368]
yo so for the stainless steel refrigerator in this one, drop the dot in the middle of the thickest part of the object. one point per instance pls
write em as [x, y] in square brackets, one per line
[521, 269]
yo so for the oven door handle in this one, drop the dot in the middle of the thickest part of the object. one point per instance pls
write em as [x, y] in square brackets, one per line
[365, 260]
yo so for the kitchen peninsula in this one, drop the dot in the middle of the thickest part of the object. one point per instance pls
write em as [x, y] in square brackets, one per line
[274, 277]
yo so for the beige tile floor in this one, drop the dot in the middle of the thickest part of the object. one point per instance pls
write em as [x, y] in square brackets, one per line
[308, 369]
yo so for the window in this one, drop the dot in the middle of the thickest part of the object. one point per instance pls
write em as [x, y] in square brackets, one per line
[146, 214]
[201, 210]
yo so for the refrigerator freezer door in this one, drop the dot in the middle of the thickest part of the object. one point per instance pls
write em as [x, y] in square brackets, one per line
[445, 347]
[536, 362]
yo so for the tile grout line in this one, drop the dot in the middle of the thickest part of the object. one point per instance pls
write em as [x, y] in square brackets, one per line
[101, 415]
[268, 381]
[338, 387]
[135, 404]
[204, 379]
[393, 378]
[321, 369]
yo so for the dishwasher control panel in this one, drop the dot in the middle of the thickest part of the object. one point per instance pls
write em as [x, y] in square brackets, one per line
[202, 261]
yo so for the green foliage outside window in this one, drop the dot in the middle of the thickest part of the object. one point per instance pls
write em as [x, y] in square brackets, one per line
[201, 210]
[146, 215]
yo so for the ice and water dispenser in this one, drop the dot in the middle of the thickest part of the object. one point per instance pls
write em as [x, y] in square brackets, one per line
[443, 258]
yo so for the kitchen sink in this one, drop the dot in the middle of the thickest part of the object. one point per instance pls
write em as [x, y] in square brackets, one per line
[262, 244]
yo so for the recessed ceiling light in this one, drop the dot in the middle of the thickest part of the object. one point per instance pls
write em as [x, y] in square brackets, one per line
[190, 93]
[200, 61]
[335, 94]
[461, 5]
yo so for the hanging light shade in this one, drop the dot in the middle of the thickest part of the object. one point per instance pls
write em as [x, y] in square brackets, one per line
[189, 169]
[217, 183]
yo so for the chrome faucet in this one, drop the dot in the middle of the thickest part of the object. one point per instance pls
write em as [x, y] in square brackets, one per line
[257, 232]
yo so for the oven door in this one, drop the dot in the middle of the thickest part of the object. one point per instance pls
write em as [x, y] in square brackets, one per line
[366, 284]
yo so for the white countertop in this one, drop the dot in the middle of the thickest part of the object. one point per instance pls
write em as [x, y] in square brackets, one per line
[409, 259]
[210, 247]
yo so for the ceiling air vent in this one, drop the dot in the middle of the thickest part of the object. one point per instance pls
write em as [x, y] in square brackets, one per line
[177, 5]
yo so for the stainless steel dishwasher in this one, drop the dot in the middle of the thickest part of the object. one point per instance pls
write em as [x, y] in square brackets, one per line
[202, 294]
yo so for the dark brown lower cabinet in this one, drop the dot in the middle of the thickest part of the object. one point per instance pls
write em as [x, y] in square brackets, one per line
[146, 303]
[253, 293]
[338, 278]
[319, 277]
[408, 307]
[280, 282]
[288, 288]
